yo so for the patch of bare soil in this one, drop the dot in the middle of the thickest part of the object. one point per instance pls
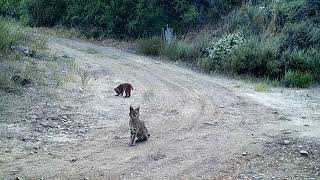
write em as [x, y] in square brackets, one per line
[201, 127]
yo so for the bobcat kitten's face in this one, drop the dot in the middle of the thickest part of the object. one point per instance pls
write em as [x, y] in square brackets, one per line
[116, 90]
[134, 113]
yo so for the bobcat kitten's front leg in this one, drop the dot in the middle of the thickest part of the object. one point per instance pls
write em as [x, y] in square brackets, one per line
[133, 137]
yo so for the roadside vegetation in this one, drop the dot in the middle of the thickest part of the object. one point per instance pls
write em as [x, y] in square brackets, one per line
[24, 61]
[17, 51]
[273, 40]
[265, 39]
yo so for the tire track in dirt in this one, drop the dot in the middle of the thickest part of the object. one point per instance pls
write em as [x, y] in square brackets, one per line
[176, 104]
[197, 126]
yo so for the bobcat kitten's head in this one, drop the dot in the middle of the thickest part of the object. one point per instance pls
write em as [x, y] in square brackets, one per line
[116, 90]
[134, 113]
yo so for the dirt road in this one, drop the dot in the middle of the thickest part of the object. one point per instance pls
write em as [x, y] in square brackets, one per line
[201, 127]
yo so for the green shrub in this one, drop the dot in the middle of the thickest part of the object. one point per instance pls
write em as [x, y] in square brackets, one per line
[313, 10]
[303, 61]
[115, 18]
[295, 60]
[10, 7]
[180, 50]
[297, 79]
[220, 50]
[225, 45]
[150, 46]
[125, 18]
[313, 60]
[257, 58]
[177, 50]
[210, 65]
[183, 49]
[300, 35]
[216, 9]
[44, 12]
[252, 19]
[289, 11]
[147, 21]
[142, 18]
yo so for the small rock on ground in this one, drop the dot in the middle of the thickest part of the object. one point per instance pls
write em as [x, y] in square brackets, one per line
[304, 153]
[286, 142]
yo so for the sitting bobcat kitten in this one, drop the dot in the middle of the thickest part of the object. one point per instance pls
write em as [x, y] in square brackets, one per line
[137, 127]
[126, 87]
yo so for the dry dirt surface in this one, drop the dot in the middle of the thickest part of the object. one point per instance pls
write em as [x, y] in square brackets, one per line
[201, 127]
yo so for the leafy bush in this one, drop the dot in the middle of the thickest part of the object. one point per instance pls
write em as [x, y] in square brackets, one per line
[252, 19]
[216, 9]
[284, 36]
[225, 45]
[312, 10]
[313, 60]
[295, 60]
[150, 46]
[10, 7]
[257, 57]
[297, 79]
[125, 18]
[44, 12]
[147, 20]
[288, 11]
[115, 18]
[303, 61]
[300, 35]
[219, 50]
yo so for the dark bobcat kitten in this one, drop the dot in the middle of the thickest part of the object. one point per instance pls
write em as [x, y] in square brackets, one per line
[137, 127]
[125, 87]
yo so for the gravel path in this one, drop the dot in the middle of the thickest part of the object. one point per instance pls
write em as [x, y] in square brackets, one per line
[201, 127]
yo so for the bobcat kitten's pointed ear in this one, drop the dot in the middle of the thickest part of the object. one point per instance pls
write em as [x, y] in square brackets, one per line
[138, 108]
[131, 108]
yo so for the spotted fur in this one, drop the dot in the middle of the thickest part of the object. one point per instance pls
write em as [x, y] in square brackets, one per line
[137, 127]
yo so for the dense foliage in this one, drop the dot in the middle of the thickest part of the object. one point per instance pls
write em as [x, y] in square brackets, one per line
[278, 40]
[119, 18]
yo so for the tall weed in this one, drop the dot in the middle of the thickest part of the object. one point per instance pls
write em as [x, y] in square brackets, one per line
[180, 50]
[150, 46]
[297, 79]
[9, 35]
